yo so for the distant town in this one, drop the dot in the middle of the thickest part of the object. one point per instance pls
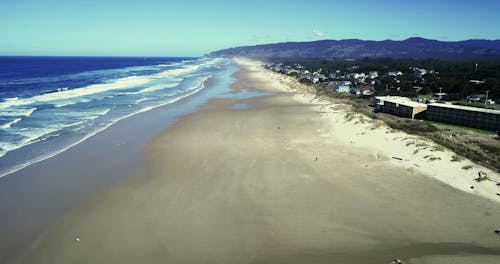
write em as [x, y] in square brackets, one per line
[465, 94]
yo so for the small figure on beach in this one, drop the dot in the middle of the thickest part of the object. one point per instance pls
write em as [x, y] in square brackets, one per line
[397, 261]
[77, 239]
[482, 176]
[497, 232]
[316, 159]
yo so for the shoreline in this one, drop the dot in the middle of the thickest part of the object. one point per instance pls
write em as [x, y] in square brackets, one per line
[283, 180]
[20, 150]
[37, 196]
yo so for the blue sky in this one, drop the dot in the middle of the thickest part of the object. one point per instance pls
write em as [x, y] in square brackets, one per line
[192, 28]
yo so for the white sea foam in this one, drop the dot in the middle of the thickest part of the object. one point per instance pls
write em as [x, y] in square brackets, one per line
[156, 87]
[199, 87]
[17, 111]
[169, 65]
[29, 111]
[71, 103]
[76, 123]
[177, 72]
[9, 124]
[103, 112]
[64, 104]
[159, 87]
[173, 93]
[79, 128]
[201, 83]
[29, 137]
[11, 99]
[97, 114]
[142, 100]
[35, 135]
[123, 83]
[104, 97]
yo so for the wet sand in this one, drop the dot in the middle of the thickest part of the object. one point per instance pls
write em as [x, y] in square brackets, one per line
[33, 198]
[270, 183]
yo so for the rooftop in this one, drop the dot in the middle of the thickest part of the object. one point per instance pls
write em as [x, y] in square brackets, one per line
[400, 100]
[467, 108]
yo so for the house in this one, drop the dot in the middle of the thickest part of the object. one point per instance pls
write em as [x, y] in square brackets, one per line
[373, 74]
[419, 72]
[362, 91]
[394, 74]
[358, 77]
[342, 87]
[481, 118]
[366, 91]
[291, 71]
[400, 106]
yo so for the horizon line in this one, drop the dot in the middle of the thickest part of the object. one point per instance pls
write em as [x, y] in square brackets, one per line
[100, 56]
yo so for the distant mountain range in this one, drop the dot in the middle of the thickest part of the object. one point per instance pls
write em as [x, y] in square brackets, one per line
[354, 48]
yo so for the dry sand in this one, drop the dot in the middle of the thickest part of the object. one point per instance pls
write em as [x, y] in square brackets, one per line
[291, 179]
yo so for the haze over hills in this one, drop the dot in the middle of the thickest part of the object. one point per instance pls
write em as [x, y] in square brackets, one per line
[417, 48]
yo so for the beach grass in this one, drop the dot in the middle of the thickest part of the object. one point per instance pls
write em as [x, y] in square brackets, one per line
[480, 146]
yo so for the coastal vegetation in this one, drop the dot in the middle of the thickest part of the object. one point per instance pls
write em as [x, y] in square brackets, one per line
[458, 79]
[480, 146]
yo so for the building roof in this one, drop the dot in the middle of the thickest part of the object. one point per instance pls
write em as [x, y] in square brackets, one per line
[400, 100]
[467, 108]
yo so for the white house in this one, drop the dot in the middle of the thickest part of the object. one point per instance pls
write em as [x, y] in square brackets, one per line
[357, 76]
[394, 73]
[419, 72]
[341, 88]
[373, 74]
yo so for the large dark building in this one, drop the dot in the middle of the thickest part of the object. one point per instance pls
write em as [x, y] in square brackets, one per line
[486, 119]
[400, 106]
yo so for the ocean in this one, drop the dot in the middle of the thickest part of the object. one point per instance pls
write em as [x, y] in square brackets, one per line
[49, 104]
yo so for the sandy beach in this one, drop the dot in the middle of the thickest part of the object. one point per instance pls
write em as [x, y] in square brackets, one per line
[284, 178]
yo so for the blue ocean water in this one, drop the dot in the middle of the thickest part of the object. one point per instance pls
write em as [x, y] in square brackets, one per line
[48, 104]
